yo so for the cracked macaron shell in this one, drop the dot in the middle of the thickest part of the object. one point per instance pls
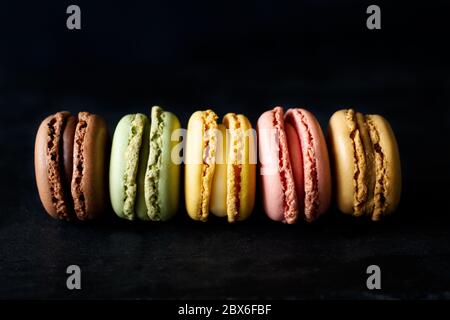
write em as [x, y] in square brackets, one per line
[163, 173]
[200, 163]
[129, 154]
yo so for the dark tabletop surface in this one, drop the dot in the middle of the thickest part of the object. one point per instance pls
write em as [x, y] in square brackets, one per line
[240, 58]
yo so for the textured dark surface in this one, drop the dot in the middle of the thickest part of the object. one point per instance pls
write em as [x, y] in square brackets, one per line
[232, 58]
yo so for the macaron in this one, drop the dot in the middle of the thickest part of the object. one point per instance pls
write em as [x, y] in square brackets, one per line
[294, 165]
[366, 164]
[143, 177]
[220, 166]
[70, 161]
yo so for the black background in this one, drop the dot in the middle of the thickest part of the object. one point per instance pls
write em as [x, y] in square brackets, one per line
[241, 57]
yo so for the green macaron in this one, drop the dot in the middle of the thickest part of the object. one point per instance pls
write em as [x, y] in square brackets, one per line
[143, 177]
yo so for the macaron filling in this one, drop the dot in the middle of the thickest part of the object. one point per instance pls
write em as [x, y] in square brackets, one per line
[359, 173]
[78, 165]
[234, 168]
[209, 154]
[310, 169]
[132, 162]
[285, 170]
[380, 204]
[54, 136]
[154, 164]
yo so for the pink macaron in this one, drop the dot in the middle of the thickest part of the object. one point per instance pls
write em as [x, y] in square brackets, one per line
[294, 165]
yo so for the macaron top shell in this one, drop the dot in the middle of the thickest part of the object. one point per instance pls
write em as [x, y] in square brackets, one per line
[89, 179]
[387, 166]
[316, 164]
[162, 174]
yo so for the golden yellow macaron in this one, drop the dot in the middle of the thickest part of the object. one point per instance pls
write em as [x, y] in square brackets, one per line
[366, 164]
[220, 166]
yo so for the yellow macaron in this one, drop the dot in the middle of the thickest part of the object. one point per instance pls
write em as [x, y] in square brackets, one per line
[220, 170]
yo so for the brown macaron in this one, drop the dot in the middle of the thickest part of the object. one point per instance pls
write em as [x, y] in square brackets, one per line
[70, 165]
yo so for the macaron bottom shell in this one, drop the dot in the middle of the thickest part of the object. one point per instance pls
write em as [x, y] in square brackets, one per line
[129, 152]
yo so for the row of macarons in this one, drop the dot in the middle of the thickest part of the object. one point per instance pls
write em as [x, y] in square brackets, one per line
[300, 170]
